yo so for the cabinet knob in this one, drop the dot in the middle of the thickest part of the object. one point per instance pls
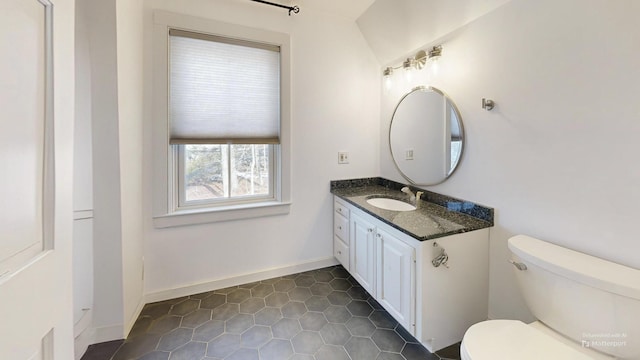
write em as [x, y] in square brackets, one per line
[339, 252]
[370, 230]
[339, 227]
[378, 235]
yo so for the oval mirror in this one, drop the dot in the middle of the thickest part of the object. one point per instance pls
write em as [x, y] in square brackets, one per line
[426, 136]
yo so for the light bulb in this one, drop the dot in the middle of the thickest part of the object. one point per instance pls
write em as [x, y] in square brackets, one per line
[407, 65]
[434, 55]
[387, 84]
[434, 66]
[387, 78]
[408, 75]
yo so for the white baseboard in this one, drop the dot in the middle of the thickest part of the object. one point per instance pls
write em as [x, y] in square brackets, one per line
[82, 342]
[132, 320]
[108, 333]
[239, 279]
[91, 335]
[84, 323]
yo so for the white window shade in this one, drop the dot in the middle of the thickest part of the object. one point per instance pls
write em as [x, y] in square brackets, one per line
[223, 90]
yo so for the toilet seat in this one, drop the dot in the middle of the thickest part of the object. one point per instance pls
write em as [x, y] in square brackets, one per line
[512, 339]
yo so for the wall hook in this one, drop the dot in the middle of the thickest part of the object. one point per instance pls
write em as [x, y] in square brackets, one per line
[488, 104]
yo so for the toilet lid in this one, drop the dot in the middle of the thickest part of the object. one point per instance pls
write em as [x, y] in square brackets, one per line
[512, 339]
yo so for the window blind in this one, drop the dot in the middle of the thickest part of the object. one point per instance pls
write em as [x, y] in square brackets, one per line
[223, 90]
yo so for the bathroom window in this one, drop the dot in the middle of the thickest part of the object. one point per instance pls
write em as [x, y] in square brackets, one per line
[221, 174]
[225, 121]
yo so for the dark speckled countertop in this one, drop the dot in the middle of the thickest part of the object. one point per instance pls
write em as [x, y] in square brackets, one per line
[436, 216]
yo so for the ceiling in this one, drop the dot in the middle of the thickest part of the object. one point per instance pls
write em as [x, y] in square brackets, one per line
[351, 9]
[393, 28]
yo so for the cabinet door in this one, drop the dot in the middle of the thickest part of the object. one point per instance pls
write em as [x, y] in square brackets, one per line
[362, 252]
[395, 278]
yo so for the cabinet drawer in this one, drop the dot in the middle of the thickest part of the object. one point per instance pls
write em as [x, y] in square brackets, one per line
[341, 252]
[341, 227]
[341, 208]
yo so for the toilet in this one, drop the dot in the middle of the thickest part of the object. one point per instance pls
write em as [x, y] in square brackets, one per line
[586, 308]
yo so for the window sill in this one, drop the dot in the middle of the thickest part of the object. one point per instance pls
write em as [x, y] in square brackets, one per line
[229, 213]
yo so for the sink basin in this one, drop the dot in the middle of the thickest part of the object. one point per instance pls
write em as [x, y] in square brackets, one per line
[390, 204]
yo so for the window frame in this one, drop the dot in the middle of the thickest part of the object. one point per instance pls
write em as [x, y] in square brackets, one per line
[165, 173]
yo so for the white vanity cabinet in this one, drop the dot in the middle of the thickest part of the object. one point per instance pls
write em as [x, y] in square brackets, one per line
[384, 265]
[435, 304]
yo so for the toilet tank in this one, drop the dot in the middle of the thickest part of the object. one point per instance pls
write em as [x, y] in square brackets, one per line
[590, 300]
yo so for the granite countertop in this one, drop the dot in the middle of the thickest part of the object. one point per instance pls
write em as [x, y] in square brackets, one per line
[436, 215]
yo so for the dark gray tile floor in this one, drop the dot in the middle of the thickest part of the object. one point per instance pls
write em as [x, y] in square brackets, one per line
[320, 314]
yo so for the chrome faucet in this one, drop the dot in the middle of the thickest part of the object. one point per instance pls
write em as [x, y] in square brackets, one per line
[408, 191]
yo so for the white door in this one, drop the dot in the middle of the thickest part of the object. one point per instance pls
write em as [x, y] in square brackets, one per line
[362, 252]
[36, 144]
[395, 278]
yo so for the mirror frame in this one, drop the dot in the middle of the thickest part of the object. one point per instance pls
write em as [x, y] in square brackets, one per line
[460, 123]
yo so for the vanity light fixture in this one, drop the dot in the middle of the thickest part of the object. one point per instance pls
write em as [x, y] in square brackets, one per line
[418, 62]
[435, 52]
[408, 66]
[387, 77]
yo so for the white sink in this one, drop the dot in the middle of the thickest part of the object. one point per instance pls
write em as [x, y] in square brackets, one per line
[390, 204]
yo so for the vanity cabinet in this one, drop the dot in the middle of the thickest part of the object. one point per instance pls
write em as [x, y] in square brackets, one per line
[383, 265]
[435, 304]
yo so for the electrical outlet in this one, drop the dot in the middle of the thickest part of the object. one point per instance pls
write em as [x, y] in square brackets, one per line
[343, 157]
[408, 154]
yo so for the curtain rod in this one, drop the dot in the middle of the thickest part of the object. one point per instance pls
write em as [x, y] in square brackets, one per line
[295, 9]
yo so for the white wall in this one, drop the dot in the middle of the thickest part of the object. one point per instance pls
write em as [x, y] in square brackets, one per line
[108, 293]
[83, 174]
[556, 157]
[335, 91]
[393, 27]
[82, 186]
[115, 47]
[130, 115]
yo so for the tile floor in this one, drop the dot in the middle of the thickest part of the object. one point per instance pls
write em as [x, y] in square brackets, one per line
[320, 314]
